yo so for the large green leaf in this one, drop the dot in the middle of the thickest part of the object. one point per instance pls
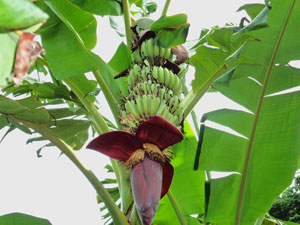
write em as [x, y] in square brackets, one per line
[16, 14]
[100, 7]
[28, 109]
[22, 219]
[84, 23]
[263, 152]
[121, 60]
[66, 39]
[187, 185]
[8, 45]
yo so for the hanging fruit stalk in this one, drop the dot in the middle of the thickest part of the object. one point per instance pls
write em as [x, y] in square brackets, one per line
[152, 115]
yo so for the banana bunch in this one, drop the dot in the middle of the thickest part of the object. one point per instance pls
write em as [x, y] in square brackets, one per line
[153, 88]
[151, 52]
[167, 78]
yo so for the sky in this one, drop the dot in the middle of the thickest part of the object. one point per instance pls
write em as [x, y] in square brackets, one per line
[51, 187]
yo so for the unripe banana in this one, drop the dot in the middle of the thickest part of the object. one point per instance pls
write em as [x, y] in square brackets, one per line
[136, 69]
[175, 103]
[155, 72]
[131, 78]
[139, 105]
[144, 88]
[162, 52]
[143, 75]
[162, 93]
[149, 47]
[167, 77]
[144, 50]
[183, 70]
[165, 113]
[161, 76]
[129, 106]
[136, 57]
[154, 105]
[168, 54]
[177, 85]
[156, 50]
[178, 112]
[161, 107]
[145, 105]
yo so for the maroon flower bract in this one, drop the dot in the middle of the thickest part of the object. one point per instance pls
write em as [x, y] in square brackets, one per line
[120, 145]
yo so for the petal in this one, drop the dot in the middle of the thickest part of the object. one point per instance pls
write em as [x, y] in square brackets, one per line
[159, 131]
[116, 144]
[146, 183]
[168, 172]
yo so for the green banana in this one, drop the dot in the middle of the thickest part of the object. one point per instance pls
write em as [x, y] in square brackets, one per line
[161, 107]
[131, 109]
[183, 70]
[162, 52]
[168, 54]
[167, 77]
[139, 105]
[136, 57]
[145, 105]
[155, 74]
[149, 47]
[161, 76]
[144, 50]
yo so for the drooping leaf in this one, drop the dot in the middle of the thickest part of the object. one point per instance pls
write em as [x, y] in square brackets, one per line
[118, 87]
[73, 132]
[208, 61]
[252, 9]
[8, 44]
[264, 149]
[100, 7]
[22, 219]
[16, 14]
[169, 38]
[114, 25]
[187, 185]
[3, 121]
[66, 52]
[168, 22]
[84, 23]
[121, 60]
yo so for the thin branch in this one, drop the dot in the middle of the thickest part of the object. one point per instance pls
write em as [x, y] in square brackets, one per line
[97, 117]
[176, 208]
[127, 22]
[166, 7]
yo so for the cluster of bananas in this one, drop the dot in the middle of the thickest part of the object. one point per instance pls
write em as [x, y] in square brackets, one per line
[154, 54]
[153, 89]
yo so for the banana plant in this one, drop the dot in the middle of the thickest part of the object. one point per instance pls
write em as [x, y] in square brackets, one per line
[162, 169]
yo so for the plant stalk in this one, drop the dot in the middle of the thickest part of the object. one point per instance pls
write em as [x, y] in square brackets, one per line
[126, 11]
[110, 98]
[114, 210]
[166, 7]
[97, 117]
[176, 208]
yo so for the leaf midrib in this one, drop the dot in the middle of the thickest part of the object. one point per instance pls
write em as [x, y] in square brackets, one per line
[257, 114]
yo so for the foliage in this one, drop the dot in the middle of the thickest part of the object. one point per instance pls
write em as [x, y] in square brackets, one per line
[248, 63]
[287, 206]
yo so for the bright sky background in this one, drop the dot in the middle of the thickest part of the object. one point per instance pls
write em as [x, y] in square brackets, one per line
[52, 187]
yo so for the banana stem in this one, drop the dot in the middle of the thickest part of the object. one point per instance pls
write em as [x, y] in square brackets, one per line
[176, 208]
[127, 22]
[97, 117]
[98, 121]
[110, 97]
[113, 209]
[166, 7]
